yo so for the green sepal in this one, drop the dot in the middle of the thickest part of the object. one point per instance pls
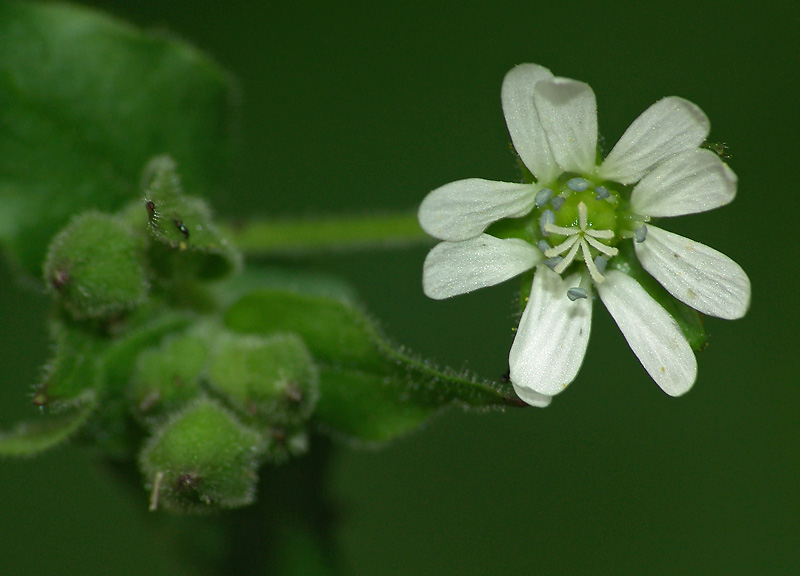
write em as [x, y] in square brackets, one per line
[112, 429]
[370, 390]
[85, 102]
[30, 438]
[184, 223]
[203, 459]
[94, 267]
[689, 319]
[167, 377]
[73, 371]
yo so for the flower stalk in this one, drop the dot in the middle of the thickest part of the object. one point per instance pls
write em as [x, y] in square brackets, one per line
[293, 237]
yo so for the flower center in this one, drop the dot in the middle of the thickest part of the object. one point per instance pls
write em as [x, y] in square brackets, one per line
[583, 219]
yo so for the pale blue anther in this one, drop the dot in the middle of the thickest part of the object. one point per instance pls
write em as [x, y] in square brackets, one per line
[578, 184]
[557, 202]
[640, 233]
[542, 196]
[577, 293]
[543, 246]
[602, 193]
[600, 264]
[547, 217]
[553, 262]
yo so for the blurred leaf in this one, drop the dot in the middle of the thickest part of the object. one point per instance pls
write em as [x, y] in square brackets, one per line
[85, 102]
[369, 389]
[30, 438]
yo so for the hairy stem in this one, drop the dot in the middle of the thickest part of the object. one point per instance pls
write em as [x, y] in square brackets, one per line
[292, 237]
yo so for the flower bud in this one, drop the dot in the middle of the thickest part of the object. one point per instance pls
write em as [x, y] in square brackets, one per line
[167, 377]
[201, 460]
[93, 265]
[273, 378]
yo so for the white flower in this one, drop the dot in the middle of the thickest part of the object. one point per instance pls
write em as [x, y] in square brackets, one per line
[571, 221]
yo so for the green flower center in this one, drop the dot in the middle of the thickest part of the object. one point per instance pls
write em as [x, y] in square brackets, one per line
[579, 223]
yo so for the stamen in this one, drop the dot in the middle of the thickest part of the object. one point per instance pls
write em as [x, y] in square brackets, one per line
[568, 258]
[600, 263]
[605, 249]
[553, 263]
[563, 247]
[543, 246]
[557, 202]
[548, 218]
[578, 184]
[602, 193]
[542, 196]
[640, 233]
[576, 293]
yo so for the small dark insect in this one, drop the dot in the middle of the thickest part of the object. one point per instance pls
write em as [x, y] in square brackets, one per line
[184, 230]
[151, 209]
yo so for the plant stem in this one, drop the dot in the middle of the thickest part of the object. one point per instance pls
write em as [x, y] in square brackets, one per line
[297, 237]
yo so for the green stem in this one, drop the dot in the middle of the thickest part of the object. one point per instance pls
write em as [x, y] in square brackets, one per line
[293, 237]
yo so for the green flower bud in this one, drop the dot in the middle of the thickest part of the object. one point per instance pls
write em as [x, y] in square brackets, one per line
[183, 223]
[272, 378]
[93, 266]
[202, 460]
[167, 377]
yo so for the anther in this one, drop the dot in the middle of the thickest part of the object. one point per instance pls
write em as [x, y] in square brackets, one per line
[602, 193]
[547, 217]
[640, 233]
[543, 246]
[576, 293]
[578, 184]
[600, 263]
[542, 196]
[557, 202]
[553, 263]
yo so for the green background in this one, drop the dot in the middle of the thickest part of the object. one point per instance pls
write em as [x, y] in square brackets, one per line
[347, 107]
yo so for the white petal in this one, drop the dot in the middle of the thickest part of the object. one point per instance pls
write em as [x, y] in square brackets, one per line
[669, 126]
[522, 120]
[695, 274]
[568, 113]
[453, 268]
[653, 335]
[462, 210]
[533, 398]
[692, 181]
[552, 335]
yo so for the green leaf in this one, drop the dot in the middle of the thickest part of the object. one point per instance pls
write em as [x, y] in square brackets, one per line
[85, 102]
[370, 390]
[30, 438]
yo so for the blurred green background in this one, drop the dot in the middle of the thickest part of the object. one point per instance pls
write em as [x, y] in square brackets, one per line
[348, 107]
